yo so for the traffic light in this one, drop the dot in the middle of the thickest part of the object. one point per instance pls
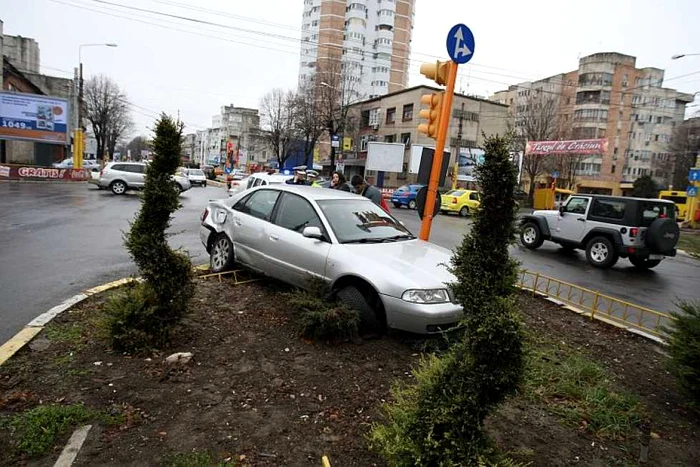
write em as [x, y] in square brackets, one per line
[436, 71]
[431, 114]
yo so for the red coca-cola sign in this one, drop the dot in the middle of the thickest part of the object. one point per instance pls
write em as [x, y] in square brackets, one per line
[23, 172]
[576, 146]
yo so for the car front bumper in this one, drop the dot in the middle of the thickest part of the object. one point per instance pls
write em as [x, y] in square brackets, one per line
[204, 233]
[420, 318]
[401, 201]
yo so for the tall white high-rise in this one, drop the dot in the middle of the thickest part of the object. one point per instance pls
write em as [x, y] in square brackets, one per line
[370, 38]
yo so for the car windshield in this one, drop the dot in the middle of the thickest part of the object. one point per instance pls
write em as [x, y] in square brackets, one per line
[362, 221]
[196, 172]
[402, 188]
[456, 193]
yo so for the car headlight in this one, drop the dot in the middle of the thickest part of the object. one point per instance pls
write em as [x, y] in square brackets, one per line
[426, 296]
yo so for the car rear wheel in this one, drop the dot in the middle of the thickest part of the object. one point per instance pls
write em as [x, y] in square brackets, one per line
[118, 187]
[412, 204]
[531, 236]
[600, 252]
[464, 212]
[644, 263]
[353, 298]
[221, 254]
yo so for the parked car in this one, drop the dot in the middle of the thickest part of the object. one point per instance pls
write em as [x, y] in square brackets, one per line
[237, 185]
[405, 196]
[197, 177]
[463, 202]
[370, 260]
[120, 177]
[68, 164]
[607, 228]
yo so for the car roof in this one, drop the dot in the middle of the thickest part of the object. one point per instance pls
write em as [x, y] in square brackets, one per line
[622, 198]
[313, 192]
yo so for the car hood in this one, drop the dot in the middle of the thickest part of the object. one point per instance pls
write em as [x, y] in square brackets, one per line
[546, 212]
[406, 264]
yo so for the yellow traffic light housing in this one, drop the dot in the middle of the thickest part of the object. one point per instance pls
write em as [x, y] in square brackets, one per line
[436, 71]
[431, 114]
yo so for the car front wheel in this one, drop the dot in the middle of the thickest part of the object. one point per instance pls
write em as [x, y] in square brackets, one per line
[221, 254]
[600, 252]
[353, 298]
[412, 204]
[644, 263]
[531, 236]
[118, 187]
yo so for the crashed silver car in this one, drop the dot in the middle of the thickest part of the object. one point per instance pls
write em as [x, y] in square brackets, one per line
[372, 262]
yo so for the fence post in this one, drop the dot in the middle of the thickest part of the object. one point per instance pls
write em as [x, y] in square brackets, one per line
[534, 287]
[595, 304]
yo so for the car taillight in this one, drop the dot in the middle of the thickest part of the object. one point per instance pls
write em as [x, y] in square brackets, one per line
[102, 172]
[205, 214]
[634, 231]
[406, 195]
[454, 200]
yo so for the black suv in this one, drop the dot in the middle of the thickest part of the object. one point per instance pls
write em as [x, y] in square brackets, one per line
[607, 228]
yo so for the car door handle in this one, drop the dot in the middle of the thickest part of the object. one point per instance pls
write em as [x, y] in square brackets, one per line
[274, 238]
[581, 219]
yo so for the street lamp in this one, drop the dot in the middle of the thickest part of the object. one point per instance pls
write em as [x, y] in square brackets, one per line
[676, 57]
[80, 79]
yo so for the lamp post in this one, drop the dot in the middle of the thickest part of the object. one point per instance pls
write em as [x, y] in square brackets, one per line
[677, 56]
[78, 144]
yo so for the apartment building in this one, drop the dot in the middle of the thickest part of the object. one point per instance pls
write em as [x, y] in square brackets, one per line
[370, 38]
[609, 97]
[394, 118]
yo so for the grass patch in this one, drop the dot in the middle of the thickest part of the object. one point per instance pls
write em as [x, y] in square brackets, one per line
[196, 459]
[36, 431]
[690, 242]
[581, 392]
[69, 333]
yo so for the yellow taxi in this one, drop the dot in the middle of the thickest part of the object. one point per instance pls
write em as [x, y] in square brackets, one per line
[463, 202]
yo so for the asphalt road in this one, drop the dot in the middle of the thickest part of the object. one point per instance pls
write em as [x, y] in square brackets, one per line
[57, 240]
[658, 288]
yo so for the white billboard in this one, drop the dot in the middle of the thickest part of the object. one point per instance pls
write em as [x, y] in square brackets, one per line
[385, 157]
[33, 117]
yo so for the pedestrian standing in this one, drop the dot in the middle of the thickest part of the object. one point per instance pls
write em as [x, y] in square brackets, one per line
[299, 176]
[365, 189]
[338, 182]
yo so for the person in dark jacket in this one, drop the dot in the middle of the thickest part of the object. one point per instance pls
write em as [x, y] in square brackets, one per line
[299, 176]
[365, 189]
[338, 182]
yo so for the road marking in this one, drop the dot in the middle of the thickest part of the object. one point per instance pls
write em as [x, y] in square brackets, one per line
[18, 341]
[109, 285]
[70, 452]
[42, 319]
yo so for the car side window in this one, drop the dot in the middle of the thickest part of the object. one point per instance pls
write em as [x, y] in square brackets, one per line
[258, 182]
[295, 213]
[577, 205]
[609, 209]
[260, 204]
[119, 167]
[140, 169]
[251, 180]
[474, 196]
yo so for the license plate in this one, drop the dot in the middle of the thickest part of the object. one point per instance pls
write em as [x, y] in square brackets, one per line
[656, 256]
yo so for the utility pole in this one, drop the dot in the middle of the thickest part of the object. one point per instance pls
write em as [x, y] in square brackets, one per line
[459, 147]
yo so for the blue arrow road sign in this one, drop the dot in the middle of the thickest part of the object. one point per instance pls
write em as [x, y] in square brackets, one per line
[692, 192]
[460, 44]
[694, 175]
[555, 174]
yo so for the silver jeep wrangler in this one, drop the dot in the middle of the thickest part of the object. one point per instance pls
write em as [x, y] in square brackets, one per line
[607, 228]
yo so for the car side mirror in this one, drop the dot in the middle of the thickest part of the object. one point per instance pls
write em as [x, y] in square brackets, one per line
[312, 232]
[562, 210]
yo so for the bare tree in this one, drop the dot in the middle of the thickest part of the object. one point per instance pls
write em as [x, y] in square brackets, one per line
[684, 148]
[535, 120]
[337, 88]
[308, 127]
[277, 121]
[107, 111]
[569, 167]
[136, 145]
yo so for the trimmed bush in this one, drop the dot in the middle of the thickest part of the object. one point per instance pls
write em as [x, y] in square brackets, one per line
[439, 419]
[684, 348]
[167, 273]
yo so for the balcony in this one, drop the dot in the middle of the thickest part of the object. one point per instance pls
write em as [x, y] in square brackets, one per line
[385, 18]
[356, 10]
[383, 46]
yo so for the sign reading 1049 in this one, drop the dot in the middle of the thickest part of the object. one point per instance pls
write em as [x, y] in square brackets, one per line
[460, 44]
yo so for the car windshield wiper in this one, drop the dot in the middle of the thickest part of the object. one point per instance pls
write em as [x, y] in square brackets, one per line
[365, 240]
[396, 238]
[381, 240]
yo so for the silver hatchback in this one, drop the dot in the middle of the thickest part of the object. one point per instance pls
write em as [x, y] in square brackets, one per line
[369, 258]
[122, 176]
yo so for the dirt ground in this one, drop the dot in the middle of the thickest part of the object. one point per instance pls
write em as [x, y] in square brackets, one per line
[254, 393]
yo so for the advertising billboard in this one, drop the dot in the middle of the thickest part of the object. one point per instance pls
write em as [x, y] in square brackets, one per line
[469, 158]
[34, 118]
[577, 146]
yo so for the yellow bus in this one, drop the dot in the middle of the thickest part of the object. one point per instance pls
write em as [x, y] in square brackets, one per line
[681, 200]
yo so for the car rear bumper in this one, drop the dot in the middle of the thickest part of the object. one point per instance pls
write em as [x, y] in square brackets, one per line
[204, 233]
[401, 201]
[450, 207]
[420, 318]
[626, 251]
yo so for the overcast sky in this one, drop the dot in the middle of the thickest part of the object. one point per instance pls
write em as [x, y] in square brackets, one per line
[171, 65]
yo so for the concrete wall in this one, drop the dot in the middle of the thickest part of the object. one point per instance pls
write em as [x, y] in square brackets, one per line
[23, 52]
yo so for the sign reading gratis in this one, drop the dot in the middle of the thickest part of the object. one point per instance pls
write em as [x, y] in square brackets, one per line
[33, 117]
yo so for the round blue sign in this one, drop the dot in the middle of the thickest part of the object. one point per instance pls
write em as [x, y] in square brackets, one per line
[460, 44]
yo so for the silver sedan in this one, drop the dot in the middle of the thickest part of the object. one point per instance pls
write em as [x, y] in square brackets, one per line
[372, 262]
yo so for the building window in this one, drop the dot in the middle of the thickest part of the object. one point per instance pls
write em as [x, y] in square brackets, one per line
[407, 112]
[390, 139]
[406, 139]
[391, 115]
[595, 79]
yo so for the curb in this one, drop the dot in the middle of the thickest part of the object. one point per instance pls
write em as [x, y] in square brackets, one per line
[216, 183]
[35, 326]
